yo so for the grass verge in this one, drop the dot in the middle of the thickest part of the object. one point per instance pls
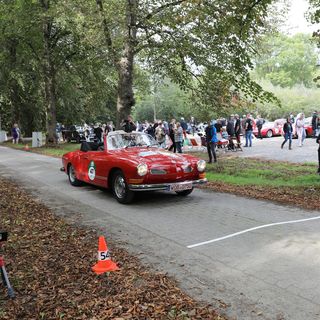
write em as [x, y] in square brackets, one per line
[49, 264]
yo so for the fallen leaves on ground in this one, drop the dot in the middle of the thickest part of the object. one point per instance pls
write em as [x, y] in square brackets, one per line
[49, 264]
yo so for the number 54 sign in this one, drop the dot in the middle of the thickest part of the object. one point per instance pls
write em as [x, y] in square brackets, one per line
[104, 255]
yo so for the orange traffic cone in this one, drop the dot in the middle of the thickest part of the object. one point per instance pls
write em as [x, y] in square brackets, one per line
[26, 147]
[105, 264]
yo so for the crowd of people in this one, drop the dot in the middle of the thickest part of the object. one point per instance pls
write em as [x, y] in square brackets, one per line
[230, 130]
[212, 131]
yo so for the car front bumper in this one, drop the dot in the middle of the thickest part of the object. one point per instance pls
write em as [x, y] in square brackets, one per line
[164, 186]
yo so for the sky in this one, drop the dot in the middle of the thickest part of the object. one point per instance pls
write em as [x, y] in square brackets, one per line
[296, 21]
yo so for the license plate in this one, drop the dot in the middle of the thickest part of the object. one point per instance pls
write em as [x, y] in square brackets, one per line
[181, 186]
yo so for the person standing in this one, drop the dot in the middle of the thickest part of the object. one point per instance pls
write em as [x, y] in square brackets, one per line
[211, 134]
[300, 128]
[318, 141]
[15, 133]
[248, 130]
[287, 129]
[128, 125]
[172, 127]
[237, 129]
[160, 135]
[178, 137]
[193, 125]
[98, 131]
[184, 127]
[259, 125]
[314, 123]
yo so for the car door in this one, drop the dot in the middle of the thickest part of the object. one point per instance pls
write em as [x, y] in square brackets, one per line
[93, 169]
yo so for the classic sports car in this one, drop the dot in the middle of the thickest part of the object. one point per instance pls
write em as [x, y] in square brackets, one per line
[308, 127]
[271, 129]
[132, 162]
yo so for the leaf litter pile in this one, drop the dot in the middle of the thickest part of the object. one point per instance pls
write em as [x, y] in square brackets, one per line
[49, 265]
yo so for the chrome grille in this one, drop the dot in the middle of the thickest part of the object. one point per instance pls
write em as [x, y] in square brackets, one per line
[158, 171]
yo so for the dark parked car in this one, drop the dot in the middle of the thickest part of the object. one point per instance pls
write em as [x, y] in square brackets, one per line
[74, 134]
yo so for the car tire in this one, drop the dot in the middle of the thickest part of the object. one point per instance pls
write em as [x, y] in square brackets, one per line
[269, 134]
[120, 188]
[72, 177]
[184, 192]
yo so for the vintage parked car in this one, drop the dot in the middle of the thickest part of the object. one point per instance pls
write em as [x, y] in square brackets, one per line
[132, 162]
[271, 129]
[308, 127]
[74, 134]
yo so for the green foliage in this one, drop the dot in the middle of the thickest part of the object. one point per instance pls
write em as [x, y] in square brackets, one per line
[296, 99]
[287, 60]
[204, 47]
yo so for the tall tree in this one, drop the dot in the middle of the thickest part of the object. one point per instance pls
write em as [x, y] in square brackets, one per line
[287, 60]
[184, 40]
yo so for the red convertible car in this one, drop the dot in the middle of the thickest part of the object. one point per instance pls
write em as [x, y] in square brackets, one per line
[132, 162]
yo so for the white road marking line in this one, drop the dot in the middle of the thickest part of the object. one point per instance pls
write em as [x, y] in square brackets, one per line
[251, 229]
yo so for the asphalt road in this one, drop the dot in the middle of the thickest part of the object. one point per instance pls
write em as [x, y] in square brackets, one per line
[269, 148]
[268, 271]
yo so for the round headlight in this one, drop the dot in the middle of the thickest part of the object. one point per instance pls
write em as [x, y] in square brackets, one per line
[201, 165]
[142, 169]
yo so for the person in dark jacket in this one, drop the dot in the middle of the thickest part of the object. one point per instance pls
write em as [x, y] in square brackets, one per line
[287, 129]
[314, 124]
[259, 124]
[184, 127]
[128, 125]
[237, 129]
[230, 126]
[230, 131]
[172, 126]
[318, 141]
[98, 131]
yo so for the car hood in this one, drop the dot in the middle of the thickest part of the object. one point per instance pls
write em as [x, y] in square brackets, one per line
[157, 156]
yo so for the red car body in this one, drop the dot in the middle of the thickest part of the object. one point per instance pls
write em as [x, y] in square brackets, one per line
[132, 168]
[271, 129]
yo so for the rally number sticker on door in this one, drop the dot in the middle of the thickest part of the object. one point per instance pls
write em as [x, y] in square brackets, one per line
[92, 170]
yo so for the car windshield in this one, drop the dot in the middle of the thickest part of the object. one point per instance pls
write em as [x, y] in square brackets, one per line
[128, 140]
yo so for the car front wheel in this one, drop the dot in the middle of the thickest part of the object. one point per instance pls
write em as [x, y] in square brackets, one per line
[269, 134]
[120, 188]
[72, 176]
[184, 192]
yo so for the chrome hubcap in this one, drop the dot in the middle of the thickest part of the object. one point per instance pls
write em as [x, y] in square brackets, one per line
[72, 174]
[120, 187]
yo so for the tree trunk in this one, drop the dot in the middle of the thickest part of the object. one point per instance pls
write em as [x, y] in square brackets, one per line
[13, 84]
[125, 98]
[124, 64]
[49, 77]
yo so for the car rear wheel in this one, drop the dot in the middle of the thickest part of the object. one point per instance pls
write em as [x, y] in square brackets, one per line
[184, 192]
[120, 188]
[269, 133]
[72, 176]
